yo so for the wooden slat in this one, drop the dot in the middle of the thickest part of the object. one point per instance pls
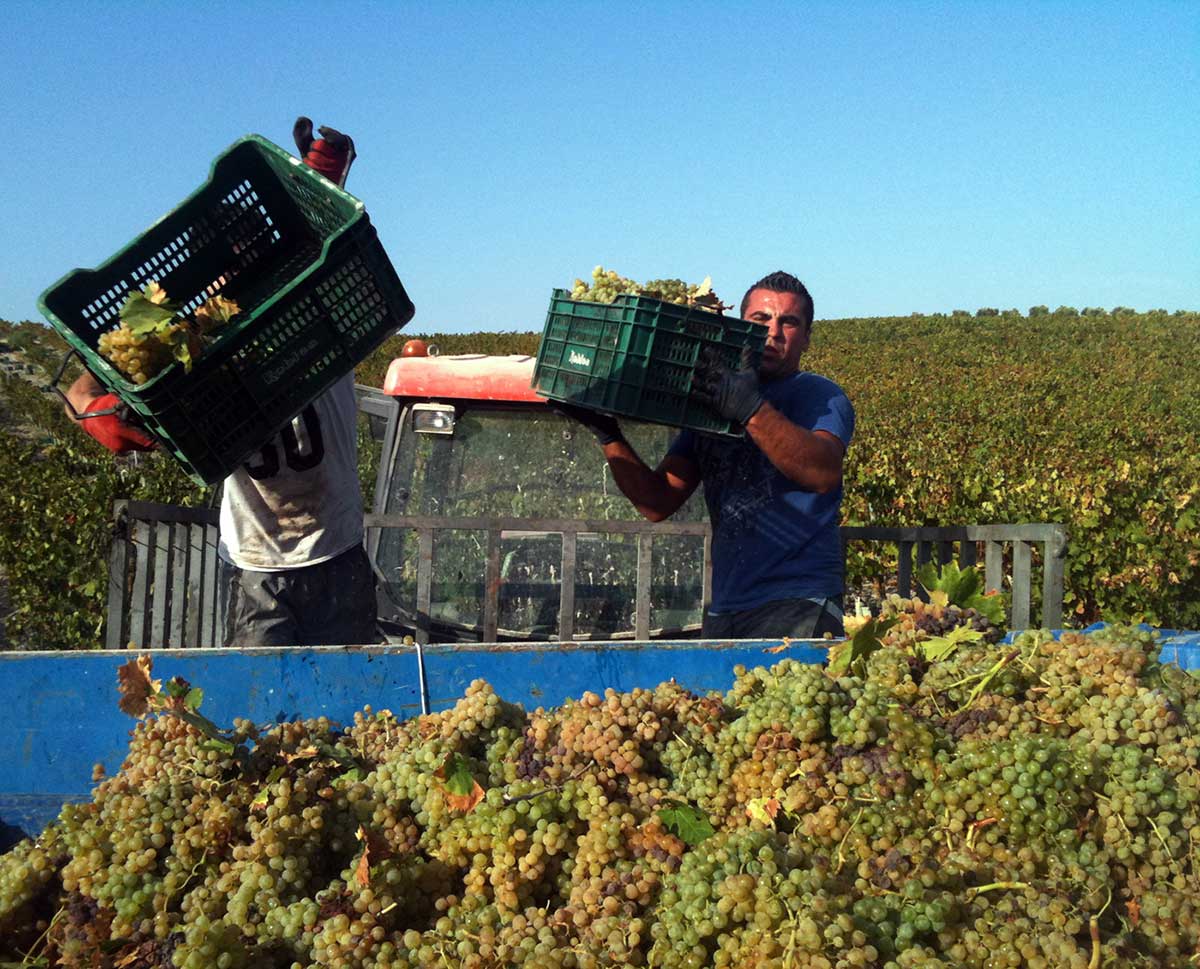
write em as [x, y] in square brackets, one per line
[924, 557]
[945, 553]
[211, 622]
[706, 582]
[904, 569]
[993, 566]
[195, 585]
[1053, 567]
[139, 600]
[566, 598]
[118, 578]
[968, 554]
[1021, 585]
[491, 588]
[161, 583]
[645, 566]
[180, 560]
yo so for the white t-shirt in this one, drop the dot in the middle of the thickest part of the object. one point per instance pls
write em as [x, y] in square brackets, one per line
[298, 501]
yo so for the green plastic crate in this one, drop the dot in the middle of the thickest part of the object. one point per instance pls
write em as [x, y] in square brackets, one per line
[301, 258]
[636, 357]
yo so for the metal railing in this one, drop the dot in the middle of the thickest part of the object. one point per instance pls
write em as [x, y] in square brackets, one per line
[165, 584]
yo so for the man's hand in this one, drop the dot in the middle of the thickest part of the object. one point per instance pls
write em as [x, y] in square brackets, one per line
[332, 154]
[114, 433]
[604, 426]
[733, 394]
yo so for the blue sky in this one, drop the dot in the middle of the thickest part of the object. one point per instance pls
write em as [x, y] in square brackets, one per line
[898, 157]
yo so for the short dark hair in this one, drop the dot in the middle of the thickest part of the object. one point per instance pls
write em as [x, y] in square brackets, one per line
[781, 282]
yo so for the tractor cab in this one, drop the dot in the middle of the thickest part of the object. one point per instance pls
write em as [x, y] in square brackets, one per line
[495, 518]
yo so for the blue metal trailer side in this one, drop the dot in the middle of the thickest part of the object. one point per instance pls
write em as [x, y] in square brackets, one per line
[59, 713]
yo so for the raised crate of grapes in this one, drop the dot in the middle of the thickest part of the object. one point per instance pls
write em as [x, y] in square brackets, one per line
[315, 293]
[636, 357]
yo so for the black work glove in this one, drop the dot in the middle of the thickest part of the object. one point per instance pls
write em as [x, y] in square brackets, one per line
[332, 154]
[604, 426]
[733, 394]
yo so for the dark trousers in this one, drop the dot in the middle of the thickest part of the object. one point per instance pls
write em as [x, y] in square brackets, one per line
[793, 618]
[328, 604]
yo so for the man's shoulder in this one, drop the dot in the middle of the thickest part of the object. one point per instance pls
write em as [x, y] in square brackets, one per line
[808, 384]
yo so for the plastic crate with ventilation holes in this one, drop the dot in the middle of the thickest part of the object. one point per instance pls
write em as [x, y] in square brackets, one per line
[316, 290]
[636, 357]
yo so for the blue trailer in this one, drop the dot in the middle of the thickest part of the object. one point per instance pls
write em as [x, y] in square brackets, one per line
[59, 713]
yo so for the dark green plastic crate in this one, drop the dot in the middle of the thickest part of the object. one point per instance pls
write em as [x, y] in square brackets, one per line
[301, 258]
[636, 357]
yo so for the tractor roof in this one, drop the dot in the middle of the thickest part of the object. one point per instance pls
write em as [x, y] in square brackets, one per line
[473, 376]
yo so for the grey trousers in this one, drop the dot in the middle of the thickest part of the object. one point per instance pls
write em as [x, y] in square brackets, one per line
[794, 618]
[329, 604]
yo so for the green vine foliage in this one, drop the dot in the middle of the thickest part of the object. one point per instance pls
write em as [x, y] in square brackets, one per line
[1086, 419]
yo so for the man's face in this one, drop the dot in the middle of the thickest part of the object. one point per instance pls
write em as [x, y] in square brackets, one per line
[787, 331]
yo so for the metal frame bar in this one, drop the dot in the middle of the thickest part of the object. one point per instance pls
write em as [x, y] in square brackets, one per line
[156, 578]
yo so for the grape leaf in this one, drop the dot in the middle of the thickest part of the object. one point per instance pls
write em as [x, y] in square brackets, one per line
[375, 849]
[260, 800]
[764, 809]
[136, 687]
[866, 641]
[991, 606]
[144, 316]
[217, 744]
[461, 790]
[177, 687]
[939, 647]
[154, 292]
[215, 312]
[193, 698]
[352, 776]
[687, 823]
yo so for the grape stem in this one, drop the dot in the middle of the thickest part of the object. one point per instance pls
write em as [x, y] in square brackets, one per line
[841, 860]
[579, 771]
[996, 887]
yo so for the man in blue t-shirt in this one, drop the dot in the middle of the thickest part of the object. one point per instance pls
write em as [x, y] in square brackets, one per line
[773, 496]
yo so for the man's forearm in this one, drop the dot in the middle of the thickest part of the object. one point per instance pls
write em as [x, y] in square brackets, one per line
[650, 491]
[82, 392]
[811, 460]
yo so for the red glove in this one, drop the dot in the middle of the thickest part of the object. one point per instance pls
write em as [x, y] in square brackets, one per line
[332, 154]
[116, 435]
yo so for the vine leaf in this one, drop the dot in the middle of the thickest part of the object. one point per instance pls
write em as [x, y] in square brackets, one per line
[764, 809]
[689, 824]
[375, 850]
[459, 786]
[852, 654]
[939, 647]
[136, 686]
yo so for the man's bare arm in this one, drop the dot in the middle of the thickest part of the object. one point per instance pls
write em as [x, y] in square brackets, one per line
[657, 493]
[812, 459]
[82, 392]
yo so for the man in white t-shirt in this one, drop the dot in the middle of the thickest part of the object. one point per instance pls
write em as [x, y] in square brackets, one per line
[291, 521]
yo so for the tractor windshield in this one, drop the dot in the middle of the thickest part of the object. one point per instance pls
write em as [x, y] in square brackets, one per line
[535, 466]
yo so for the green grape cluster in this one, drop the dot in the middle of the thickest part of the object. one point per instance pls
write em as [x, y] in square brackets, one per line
[1029, 804]
[607, 285]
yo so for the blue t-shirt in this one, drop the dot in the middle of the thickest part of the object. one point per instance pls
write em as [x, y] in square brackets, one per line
[771, 539]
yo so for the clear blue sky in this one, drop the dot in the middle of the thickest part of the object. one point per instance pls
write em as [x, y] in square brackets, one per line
[898, 157]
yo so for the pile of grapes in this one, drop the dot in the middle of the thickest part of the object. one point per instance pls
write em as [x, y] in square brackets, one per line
[945, 801]
[607, 285]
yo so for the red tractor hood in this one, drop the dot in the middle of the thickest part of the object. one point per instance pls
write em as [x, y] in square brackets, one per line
[473, 376]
